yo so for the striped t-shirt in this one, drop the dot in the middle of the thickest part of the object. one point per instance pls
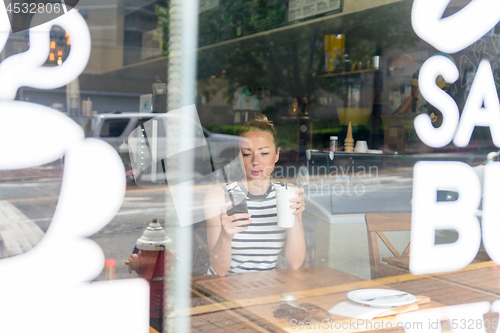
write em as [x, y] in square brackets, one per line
[258, 247]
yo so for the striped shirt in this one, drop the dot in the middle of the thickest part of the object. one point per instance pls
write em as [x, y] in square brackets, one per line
[258, 247]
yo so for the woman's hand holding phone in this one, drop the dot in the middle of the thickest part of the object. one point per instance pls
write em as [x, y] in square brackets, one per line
[229, 224]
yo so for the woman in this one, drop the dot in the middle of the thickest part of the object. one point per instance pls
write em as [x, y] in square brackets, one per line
[257, 245]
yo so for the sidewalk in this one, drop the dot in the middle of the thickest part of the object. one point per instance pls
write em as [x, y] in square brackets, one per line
[52, 170]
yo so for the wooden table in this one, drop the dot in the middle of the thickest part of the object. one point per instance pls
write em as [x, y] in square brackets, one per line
[244, 303]
[404, 262]
[236, 287]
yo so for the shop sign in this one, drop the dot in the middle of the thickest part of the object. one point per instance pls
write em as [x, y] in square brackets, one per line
[301, 9]
[452, 34]
[482, 108]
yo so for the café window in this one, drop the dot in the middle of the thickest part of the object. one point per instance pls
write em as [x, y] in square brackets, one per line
[264, 102]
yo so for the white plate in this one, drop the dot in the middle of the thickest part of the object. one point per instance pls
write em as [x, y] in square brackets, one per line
[374, 151]
[381, 297]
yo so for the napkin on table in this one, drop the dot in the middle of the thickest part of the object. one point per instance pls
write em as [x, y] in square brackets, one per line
[360, 311]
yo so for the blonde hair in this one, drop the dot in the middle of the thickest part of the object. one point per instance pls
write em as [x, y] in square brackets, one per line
[260, 123]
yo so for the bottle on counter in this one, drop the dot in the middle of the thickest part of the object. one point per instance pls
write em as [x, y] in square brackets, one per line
[87, 108]
[305, 107]
[294, 110]
[333, 143]
[347, 63]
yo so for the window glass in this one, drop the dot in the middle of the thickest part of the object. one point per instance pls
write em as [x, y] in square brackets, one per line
[112, 128]
[383, 115]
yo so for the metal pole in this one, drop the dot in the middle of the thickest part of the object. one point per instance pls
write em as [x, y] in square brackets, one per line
[183, 42]
[154, 149]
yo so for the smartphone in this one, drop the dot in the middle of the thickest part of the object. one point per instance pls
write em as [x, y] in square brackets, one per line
[240, 205]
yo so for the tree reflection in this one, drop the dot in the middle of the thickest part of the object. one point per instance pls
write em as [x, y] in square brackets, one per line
[289, 58]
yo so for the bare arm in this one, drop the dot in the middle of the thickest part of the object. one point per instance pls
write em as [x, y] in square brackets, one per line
[295, 252]
[221, 229]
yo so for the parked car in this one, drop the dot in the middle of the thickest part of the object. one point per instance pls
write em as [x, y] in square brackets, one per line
[116, 129]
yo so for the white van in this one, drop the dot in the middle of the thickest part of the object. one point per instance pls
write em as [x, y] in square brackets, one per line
[115, 129]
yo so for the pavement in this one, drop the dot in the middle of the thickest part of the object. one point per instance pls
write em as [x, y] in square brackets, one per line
[51, 170]
[33, 201]
[18, 233]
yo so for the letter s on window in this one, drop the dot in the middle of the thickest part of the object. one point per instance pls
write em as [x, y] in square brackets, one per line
[431, 69]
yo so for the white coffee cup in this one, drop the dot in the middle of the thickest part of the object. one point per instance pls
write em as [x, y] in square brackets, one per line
[286, 219]
[361, 147]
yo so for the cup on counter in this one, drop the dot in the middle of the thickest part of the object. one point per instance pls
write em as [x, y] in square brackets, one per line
[286, 219]
[361, 147]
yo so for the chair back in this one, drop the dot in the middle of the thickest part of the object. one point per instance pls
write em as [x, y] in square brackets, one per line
[376, 225]
[201, 252]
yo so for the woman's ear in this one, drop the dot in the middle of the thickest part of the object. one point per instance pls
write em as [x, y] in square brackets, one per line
[277, 155]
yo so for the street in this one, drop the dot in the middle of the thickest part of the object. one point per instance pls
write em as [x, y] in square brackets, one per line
[37, 200]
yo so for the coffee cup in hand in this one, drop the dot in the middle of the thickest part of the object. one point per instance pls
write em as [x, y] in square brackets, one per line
[286, 219]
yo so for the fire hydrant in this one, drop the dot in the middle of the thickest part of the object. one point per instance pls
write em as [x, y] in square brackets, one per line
[148, 260]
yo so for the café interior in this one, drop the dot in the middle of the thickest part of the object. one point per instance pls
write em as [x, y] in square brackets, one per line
[342, 90]
[394, 239]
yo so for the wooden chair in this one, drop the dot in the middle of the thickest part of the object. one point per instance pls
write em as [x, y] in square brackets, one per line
[376, 225]
[201, 252]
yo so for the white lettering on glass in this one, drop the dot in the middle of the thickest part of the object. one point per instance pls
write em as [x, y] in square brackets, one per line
[51, 281]
[490, 222]
[428, 216]
[455, 32]
[431, 69]
[482, 107]
[26, 69]
[452, 34]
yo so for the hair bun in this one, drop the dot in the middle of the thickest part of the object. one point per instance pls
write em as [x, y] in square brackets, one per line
[260, 123]
[262, 117]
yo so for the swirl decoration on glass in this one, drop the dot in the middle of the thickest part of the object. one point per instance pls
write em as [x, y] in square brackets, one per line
[50, 283]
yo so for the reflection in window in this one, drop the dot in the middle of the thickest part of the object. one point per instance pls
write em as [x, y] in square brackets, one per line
[113, 128]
